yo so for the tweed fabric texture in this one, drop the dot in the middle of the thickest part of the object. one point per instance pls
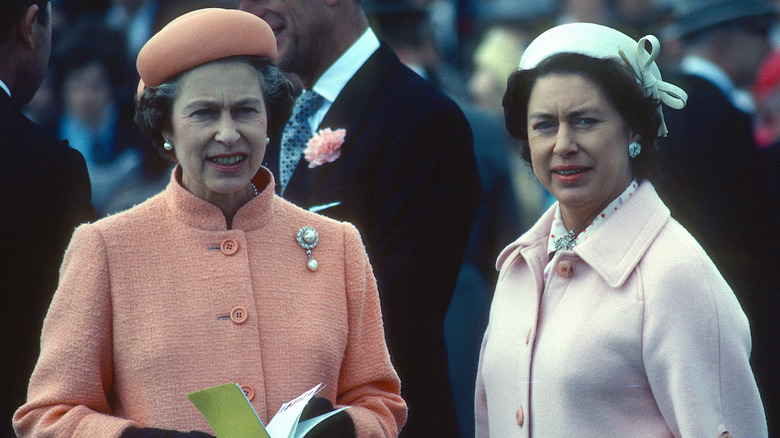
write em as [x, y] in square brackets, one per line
[142, 317]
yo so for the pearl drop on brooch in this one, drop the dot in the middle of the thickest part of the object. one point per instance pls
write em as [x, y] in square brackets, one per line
[308, 238]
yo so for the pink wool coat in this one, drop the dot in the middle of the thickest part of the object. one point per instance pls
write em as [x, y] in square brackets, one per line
[163, 300]
[634, 334]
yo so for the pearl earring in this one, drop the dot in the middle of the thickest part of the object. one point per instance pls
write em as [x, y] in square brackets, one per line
[267, 140]
[167, 145]
[634, 148]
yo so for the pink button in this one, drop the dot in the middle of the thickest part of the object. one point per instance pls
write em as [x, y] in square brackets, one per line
[248, 391]
[229, 247]
[564, 269]
[238, 315]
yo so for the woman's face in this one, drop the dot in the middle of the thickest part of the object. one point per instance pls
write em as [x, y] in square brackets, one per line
[579, 145]
[218, 129]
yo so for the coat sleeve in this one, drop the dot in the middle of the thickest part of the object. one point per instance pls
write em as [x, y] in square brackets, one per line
[368, 383]
[68, 390]
[696, 350]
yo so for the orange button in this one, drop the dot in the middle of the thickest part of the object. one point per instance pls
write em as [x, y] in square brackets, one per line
[238, 315]
[520, 417]
[564, 269]
[229, 247]
[248, 392]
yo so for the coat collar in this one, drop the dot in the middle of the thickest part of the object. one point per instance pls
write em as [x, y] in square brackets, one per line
[200, 214]
[615, 249]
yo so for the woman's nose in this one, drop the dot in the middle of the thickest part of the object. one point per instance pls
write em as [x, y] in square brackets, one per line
[227, 131]
[565, 143]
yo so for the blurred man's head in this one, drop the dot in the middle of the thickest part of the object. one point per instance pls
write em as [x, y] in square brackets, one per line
[310, 34]
[734, 34]
[25, 32]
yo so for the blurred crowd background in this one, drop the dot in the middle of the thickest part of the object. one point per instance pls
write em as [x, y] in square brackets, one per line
[467, 48]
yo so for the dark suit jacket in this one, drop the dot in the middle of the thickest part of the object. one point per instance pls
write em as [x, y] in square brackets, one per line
[714, 184]
[44, 194]
[408, 179]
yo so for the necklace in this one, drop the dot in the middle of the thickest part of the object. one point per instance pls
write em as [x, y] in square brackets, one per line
[254, 188]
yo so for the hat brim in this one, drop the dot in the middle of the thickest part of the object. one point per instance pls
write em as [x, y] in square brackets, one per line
[713, 16]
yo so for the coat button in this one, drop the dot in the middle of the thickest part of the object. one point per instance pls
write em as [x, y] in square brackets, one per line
[238, 315]
[248, 392]
[229, 247]
[564, 269]
[520, 417]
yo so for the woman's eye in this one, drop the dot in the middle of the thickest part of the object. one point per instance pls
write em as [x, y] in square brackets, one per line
[585, 122]
[204, 112]
[543, 126]
[246, 110]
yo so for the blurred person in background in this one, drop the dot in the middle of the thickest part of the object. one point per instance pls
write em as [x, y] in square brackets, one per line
[714, 181]
[44, 195]
[93, 85]
[766, 130]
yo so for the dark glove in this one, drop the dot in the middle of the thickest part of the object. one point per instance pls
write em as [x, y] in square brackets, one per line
[149, 432]
[337, 426]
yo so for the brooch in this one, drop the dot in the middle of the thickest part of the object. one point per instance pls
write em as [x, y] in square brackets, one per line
[566, 242]
[308, 239]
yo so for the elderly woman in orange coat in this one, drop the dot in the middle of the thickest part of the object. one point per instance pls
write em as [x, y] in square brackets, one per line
[216, 279]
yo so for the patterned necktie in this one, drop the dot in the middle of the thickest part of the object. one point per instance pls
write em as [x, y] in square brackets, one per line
[296, 134]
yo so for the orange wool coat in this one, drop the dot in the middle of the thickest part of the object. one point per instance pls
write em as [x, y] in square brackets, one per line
[163, 300]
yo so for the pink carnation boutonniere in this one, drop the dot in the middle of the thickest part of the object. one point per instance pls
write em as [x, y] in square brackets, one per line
[324, 147]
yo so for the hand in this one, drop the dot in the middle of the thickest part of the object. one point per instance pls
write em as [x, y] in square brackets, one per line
[149, 432]
[338, 426]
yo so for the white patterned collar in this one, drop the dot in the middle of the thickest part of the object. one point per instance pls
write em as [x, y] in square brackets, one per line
[565, 239]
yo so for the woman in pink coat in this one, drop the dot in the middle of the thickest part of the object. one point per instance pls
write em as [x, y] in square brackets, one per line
[215, 280]
[608, 318]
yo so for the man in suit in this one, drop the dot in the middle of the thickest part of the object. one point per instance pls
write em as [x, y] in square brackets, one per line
[44, 194]
[712, 175]
[406, 177]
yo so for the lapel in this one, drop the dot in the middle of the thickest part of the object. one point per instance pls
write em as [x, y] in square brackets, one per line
[348, 112]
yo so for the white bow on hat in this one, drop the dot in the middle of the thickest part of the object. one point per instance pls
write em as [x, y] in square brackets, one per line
[604, 42]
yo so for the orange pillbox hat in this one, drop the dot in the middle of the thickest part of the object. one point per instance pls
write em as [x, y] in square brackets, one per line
[202, 36]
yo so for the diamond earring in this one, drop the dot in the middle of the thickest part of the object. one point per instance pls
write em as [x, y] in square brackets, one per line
[634, 149]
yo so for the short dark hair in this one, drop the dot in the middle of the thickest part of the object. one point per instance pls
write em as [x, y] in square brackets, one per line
[155, 105]
[620, 88]
[11, 10]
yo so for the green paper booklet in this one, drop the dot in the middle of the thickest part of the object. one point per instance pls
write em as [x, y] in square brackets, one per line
[230, 414]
